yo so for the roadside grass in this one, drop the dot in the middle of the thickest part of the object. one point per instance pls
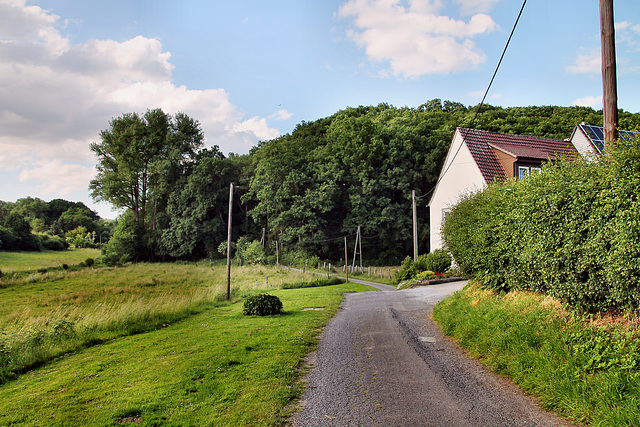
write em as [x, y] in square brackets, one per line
[585, 369]
[216, 367]
[19, 261]
[56, 314]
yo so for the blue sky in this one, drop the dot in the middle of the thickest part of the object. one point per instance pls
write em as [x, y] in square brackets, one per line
[251, 70]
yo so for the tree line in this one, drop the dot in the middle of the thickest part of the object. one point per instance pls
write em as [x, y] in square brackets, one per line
[31, 224]
[306, 190]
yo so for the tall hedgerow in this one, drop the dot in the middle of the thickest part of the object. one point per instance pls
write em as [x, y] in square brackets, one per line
[572, 231]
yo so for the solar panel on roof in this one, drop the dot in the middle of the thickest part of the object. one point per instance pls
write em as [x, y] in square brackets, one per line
[596, 135]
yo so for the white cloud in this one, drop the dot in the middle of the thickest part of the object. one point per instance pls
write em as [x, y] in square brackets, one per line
[281, 114]
[55, 177]
[468, 7]
[594, 102]
[414, 40]
[56, 96]
[588, 63]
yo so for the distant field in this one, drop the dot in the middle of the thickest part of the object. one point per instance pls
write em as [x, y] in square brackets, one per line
[35, 260]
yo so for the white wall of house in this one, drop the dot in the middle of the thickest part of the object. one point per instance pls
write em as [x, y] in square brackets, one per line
[462, 177]
[582, 143]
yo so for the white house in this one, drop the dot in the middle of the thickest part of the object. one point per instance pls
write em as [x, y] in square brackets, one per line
[589, 139]
[476, 158]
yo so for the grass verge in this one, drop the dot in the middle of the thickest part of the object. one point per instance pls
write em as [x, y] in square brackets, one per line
[585, 369]
[216, 367]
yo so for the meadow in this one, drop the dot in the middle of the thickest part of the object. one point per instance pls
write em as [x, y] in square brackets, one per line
[155, 343]
[33, 261]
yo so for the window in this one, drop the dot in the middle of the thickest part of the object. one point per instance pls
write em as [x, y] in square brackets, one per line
[524, 171]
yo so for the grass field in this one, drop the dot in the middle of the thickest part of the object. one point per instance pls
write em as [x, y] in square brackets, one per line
[152, 344]
[19, 261]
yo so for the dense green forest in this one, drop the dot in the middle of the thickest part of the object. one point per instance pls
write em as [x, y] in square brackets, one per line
[306, 190]
[31, 224]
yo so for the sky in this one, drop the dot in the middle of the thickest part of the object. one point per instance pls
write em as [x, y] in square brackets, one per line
[250, 70]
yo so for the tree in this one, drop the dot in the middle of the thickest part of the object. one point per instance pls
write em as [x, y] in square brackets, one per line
[141, 159]
[198, 208]
[131, 152]
[75, 217]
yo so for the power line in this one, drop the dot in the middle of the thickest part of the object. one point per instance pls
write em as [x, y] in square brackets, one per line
[470, 126]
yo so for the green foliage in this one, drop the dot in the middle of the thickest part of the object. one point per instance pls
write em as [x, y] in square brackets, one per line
[89, 262]
[299, 258]
[141, 160]
[262, 305]
[126, 244]
[250, 252]
[53, 243]
[584, 370]
[571, 231]
[407, 270]
[438, 261]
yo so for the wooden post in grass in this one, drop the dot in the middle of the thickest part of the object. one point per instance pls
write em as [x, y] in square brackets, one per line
[229, 243]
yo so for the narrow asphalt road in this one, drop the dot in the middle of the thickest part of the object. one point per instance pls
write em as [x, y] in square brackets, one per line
[382, 361]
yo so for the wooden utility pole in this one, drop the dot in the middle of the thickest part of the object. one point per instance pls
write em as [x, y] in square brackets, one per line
[415, 227]
[609, 82]
[346, 254]
[229, 243]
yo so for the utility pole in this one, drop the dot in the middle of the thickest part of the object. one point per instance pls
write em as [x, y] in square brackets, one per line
[415, 227]
[346, 267]
[609, 81]
[229, 243]
[357, 249]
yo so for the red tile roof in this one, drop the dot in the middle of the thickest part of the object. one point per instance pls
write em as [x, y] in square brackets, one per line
[480, 144]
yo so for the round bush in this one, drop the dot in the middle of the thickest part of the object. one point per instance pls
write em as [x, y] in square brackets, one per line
[262, 305]
[89, 262]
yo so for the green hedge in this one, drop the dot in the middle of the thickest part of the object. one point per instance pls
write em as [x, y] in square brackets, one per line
[572, 231]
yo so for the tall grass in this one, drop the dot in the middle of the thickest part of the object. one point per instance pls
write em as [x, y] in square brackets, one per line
[584, 368]
[57, 314]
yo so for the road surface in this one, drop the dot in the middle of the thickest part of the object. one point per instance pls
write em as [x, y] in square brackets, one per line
[383, 362]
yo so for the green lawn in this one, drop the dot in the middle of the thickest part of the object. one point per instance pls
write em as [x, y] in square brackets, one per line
[203, 363]
[18, 261]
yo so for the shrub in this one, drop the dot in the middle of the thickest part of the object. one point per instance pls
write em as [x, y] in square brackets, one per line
[53, 243]
[438, 261]
[250, 252]
[89, 262]
[571, 232]
[65, 266]
[407, 270]
[262, 305]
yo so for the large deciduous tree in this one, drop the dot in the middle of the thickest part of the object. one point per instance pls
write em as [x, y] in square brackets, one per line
[140, 161]
[134, 154]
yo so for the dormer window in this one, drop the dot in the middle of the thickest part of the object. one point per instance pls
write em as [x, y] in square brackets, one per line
[524, 171]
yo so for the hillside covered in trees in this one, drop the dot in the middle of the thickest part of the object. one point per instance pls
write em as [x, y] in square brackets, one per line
[31, 224]
[306, 190]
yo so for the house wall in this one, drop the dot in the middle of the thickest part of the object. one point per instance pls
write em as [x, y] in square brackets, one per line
[462, 177]
[582, 143]
[507, 161]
